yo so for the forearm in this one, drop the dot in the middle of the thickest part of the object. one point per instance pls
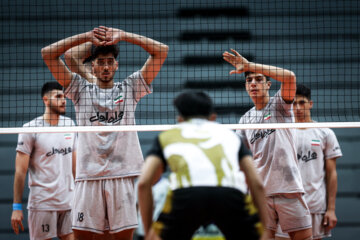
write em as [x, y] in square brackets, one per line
[75, 57]
[258, 196]
[153, 47]
[331, 189]
[19, 182]
[146, 206]
[55, 50]
[279, 74]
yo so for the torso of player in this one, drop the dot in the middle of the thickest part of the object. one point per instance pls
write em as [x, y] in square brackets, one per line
[50, 167]
[107, 154]
[201, 153]
[274, 150]
[314, 146]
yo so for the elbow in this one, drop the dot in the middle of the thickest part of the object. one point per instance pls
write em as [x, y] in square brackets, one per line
[67, 57]
[143, 185]
[44, 53]
[292, 77]
[164, 50]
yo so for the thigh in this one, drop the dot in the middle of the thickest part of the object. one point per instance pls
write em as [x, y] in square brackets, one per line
[88, 212]
[237, 218]
[294, 215]
[280, 234]
[64, 223]
[121, 204]
[178, 210]
[42, 224]
[319, 230]
[271, 216]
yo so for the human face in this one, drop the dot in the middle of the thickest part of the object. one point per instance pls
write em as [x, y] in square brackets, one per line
[302, 107]
[55, 101]
[104, 67]
[256, 85]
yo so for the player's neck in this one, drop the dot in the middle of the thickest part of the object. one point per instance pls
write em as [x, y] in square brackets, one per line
[304, 119]
[260, 102]
[51, 118]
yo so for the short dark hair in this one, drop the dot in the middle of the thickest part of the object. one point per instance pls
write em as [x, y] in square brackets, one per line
[194, 104]
[248, 73]
[303, 90]
[49, 86]
[97, 50]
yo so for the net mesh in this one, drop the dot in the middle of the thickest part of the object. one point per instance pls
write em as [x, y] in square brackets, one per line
[317, 40]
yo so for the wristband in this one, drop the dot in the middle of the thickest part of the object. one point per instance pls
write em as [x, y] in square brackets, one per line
[17, 206]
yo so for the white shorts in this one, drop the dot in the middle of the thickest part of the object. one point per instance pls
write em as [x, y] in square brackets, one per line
[105, 205]
[318, 229]
[289, 210]
[49, 224]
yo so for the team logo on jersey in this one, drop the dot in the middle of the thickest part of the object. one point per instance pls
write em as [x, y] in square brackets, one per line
[307, 156]
[67, 136]
[261, 134]
[315, 142]
[267, 116]
[106, 118]
[61, 151]
[119, 99]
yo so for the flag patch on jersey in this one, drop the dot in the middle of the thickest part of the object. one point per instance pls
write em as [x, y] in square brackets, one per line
[67, 136]
[267, 116]
[315, 142]
[119, 99]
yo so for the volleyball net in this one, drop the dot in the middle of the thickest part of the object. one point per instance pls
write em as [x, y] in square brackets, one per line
[317, 40]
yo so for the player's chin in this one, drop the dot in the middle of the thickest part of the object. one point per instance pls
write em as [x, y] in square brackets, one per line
[61, 111]
[106, 78]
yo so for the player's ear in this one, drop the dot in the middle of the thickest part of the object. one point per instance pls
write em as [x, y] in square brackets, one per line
[212, 117]
[45, 99]
[180, 119]
[117, 65]
[268, 83]
[311, 104]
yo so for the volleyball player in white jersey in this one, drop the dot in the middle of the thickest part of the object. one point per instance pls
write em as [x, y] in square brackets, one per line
[274, 149]
[203, 158]
[107, 162]
[48, 158]
[317, 151]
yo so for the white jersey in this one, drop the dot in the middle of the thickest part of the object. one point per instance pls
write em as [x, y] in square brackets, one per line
[201, 153]
[51, 181]
[274, 150]
[106, 155]
[314, 147]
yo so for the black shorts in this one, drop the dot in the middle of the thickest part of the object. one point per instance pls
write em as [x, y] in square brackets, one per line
[185, 210]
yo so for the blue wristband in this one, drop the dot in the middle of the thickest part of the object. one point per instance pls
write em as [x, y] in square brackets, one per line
[17, 206]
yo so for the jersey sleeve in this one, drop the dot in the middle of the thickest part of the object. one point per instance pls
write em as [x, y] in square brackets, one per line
[157, 151]
[332, 149]
[138, 85]
[73, 90]
[25, 143]
[282, 106]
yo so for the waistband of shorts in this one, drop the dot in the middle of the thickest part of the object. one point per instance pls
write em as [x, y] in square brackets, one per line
[136, 174]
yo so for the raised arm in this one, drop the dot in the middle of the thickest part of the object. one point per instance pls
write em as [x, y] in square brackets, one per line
[286, 77]
[21, 167]
[157, 50]
[75, 57]
[51, 55]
